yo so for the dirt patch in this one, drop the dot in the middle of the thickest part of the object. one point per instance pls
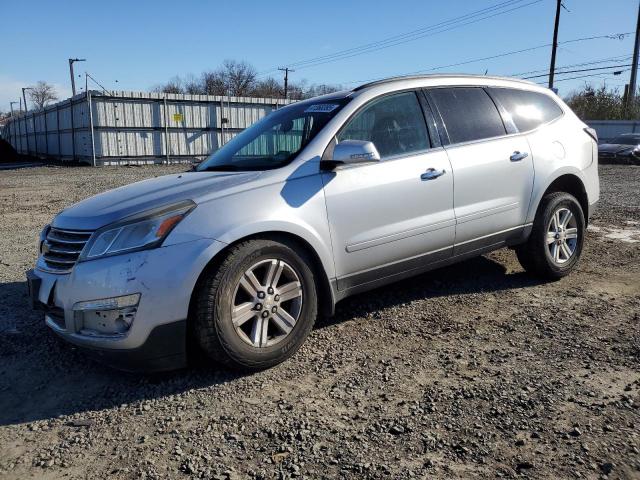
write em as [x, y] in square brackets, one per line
[476, 370]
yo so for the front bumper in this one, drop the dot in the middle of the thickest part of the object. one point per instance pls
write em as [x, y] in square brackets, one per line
[163, 350]
[164, 277]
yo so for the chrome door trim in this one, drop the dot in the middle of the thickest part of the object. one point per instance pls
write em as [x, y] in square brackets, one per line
[488, 212]
[374, 242]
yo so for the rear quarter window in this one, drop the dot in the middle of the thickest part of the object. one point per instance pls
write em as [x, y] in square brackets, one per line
[528, 110]
[468, 113]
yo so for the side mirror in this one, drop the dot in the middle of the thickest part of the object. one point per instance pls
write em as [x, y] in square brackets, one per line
[355, 151]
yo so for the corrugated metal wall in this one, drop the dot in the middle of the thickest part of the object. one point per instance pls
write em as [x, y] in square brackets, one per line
[135, 127]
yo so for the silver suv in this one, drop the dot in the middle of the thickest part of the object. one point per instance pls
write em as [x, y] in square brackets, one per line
[317, 201]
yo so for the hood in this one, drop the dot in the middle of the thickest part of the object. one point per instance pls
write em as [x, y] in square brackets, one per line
[614, 147]
[116, 204]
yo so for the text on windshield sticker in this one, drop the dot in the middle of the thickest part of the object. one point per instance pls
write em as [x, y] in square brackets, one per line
[321, 108]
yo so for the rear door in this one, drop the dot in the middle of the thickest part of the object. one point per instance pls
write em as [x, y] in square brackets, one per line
[493, 170]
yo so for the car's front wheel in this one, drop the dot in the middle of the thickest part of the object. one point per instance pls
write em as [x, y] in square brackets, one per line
[555, 244]
[258, 306]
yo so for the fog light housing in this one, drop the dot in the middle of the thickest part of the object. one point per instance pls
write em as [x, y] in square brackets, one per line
[111, 317]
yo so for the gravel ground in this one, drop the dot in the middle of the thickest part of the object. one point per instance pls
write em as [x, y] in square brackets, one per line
[476, 370]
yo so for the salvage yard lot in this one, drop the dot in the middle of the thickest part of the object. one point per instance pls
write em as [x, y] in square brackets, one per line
[476, 370]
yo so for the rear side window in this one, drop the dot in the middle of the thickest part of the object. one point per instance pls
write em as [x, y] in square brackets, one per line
[468, 113]
[528, 110]
[395, 124]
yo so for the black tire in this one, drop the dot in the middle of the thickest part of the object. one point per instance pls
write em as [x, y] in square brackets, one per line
[534, 255]
[214, 329]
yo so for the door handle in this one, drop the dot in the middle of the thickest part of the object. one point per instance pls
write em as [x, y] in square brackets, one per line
[432, 174]
[517, 156]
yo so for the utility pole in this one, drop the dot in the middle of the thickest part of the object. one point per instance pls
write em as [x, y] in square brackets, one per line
[73, 80]
[634, 68]
[286, 71]
[554, 47]
[26, 110]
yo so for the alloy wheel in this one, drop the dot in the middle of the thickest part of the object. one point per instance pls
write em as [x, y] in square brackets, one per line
[562, 235]
[267, 303]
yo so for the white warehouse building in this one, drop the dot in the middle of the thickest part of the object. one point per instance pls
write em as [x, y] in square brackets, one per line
[134, 127]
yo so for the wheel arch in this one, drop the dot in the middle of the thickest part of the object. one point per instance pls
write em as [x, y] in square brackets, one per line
[569, 182]
[326, 297]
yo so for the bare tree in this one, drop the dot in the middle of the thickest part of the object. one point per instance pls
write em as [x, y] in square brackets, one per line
[214, 83]
[193, 86]
[42, 93]
[268, 88]
[321, 89]
[174, 85]
[240, 77]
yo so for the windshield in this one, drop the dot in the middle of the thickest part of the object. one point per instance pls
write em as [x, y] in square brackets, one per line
[626, 140]
[275, 140]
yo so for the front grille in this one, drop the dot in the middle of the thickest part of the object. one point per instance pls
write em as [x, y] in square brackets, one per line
[61, 248]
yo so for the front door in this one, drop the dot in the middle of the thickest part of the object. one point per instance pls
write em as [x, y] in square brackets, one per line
[395, 215]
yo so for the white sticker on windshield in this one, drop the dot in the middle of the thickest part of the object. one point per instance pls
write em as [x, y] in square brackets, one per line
[321, 108]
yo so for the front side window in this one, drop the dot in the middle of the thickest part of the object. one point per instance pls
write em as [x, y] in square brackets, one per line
[394, 123]
[275, 140]
[468, 113]
[528, 109]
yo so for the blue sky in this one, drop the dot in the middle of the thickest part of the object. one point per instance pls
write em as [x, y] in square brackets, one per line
[143, 43]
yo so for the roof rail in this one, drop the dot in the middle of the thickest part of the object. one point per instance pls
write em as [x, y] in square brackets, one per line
[439, 75]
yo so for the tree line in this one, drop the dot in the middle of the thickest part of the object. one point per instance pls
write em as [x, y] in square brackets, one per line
[602, 103]
[240, 79]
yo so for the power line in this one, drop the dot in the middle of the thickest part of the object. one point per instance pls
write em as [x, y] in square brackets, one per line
[583, 64]
[395, 37]
[430, 34]
[583, 76]
[499, 55]
[582, 70]
[414, 34]
[98, 83]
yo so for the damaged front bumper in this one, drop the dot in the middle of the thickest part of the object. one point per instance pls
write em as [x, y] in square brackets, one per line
[127, 310]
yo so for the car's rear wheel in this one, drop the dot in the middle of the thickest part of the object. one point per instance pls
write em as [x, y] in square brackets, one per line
[258, 306]
[555, 244]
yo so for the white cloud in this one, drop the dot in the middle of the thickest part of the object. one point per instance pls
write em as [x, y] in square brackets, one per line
[11, 91]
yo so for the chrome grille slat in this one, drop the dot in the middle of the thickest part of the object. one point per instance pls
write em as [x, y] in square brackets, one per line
[63, 251]
[56, 259]
[63, 247]
[56, 236]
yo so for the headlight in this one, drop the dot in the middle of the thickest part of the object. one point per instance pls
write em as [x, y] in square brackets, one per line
[140, 232]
